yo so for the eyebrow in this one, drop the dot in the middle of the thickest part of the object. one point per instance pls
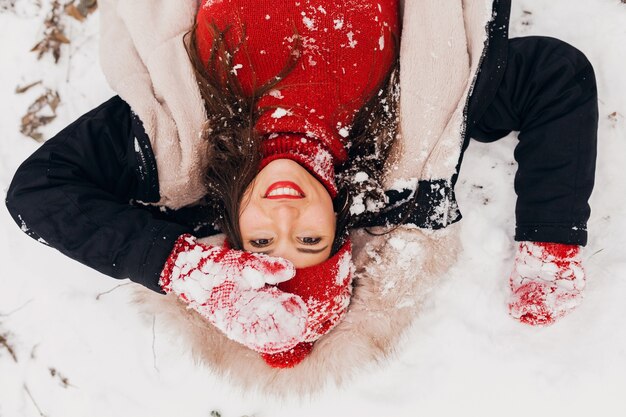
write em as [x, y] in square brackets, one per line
[314, 251]
[301, 250]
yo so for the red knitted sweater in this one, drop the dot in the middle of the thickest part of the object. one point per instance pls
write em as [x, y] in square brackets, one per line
[344, 50]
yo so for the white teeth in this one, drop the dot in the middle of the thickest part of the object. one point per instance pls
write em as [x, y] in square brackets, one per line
[284, 191]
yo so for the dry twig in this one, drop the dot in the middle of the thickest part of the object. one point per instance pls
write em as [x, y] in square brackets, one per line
[4, 342]
[111, 290]
[154, 356]
[33, 400]
[25, 88]
[64, 381]
[15, 310]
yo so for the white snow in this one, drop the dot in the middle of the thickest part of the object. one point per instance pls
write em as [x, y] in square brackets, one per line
[361, 176]
[280, 113]
[463, 355]
[276, 94]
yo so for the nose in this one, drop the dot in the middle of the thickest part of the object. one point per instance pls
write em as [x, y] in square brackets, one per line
[284, 215]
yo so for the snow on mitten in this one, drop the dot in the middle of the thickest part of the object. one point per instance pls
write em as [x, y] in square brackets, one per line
[547, 282]
[326, 289]
[228, 288]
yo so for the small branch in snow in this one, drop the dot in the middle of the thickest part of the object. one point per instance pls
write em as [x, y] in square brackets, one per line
[598, 251]
[33, 400]
[4, 342]
[25, 88]
[64, 381]
[154, 358]
[15, 310]
[33, 352]
[111, 290]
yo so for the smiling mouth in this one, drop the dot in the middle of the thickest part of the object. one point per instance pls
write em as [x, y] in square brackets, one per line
[284, 189]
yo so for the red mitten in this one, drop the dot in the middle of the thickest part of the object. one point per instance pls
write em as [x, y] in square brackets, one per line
[228, 288]
[547, 282]
[326, 289]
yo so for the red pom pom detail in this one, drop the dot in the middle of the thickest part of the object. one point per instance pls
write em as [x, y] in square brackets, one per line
[288, 358]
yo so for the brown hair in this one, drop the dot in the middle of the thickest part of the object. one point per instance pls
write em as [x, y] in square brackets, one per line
[234, 152]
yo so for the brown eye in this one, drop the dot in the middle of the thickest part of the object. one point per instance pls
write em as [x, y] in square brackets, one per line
[310, 240]
[260, 243]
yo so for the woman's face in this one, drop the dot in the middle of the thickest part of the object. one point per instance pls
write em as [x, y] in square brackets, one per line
[286, 212]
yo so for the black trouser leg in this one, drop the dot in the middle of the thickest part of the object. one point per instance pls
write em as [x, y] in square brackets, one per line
[549, 95]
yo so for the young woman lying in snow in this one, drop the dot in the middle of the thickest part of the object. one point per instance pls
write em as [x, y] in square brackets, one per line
[461, 77]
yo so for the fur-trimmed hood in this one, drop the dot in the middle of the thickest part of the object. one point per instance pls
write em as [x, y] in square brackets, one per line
[442, 51]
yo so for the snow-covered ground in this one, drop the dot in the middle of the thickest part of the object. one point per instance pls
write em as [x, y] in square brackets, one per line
[77, 354]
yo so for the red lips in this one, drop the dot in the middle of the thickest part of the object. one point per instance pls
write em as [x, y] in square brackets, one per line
[284, 189]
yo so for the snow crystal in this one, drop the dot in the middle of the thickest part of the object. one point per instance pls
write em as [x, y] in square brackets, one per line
[308, 22]
[338, 23]
[400, 184]
[209, 3]
[23, 225]
[236, 67]
[279, 113]
[344, 268]
[276, 94]
[358, 206]
[351, 41]
[361, 176]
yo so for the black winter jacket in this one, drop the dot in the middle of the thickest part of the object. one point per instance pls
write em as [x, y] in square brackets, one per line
[85, 191]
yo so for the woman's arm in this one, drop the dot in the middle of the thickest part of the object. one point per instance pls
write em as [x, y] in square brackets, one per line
[75, 194]
[548, 94]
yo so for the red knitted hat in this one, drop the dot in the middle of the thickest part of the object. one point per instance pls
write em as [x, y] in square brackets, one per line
[344, 50]
[326, 289]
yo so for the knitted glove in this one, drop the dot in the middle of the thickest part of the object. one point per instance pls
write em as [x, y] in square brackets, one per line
[546, 283]
[228, 288]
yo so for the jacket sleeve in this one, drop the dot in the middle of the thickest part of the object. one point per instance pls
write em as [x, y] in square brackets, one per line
[76, 193]
[548, 93]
